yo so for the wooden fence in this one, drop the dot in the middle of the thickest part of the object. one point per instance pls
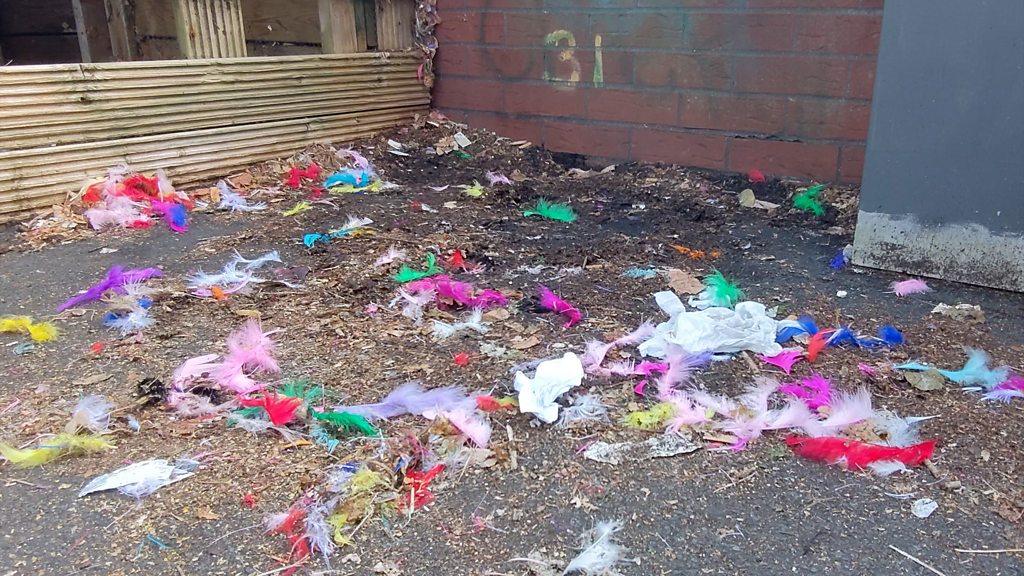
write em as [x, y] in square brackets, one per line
[197, 118]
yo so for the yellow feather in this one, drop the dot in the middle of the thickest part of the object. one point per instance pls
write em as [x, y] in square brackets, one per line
[15, 323]
[30, 456]
[42, 332]
[650, 419]
[79, 442]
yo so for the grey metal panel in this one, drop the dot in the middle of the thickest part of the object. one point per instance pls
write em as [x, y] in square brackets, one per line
[943, 185]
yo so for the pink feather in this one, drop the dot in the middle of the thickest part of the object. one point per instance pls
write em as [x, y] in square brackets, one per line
[908, 287]
[193, 369]
[681, 366]
[687, 413]
[594, 355]
[550, 301]
[475, 428]
[252, 348]
[815, 391]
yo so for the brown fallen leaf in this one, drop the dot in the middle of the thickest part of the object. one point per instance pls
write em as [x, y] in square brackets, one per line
[683, 282]
[496, 315]
[525, 343]
[207, 514]
[927, 380]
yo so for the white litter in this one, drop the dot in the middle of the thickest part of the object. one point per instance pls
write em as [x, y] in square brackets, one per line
[715, 329]
[923, 507]
[539, 395]
[141, 478]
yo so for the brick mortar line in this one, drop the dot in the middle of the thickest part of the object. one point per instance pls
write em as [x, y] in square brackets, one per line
[813, 54]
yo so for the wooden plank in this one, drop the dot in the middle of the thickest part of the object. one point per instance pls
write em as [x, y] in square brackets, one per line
[121, 22]
[93, 32]
[395, 21]
[209, 28]
[191, 157]
[338, 26]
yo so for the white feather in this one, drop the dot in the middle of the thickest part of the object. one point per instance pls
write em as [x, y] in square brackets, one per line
[887, 467]
[585, 408]
[600, 551]
[414, 303]
[134, 321]
[847, 409]
[91, 413]
[231, 200]
[443, 330]
[355, 222]
[393, 254]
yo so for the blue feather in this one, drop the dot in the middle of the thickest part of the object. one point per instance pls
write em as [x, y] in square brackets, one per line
[786, 333]
[179, 216]
[350, 176]
[913, 367]
[842, 336]
[890, 335]
[808, 323]
[145, 302]
[313, 237]
[110, 318]
[976, 371]
[839, 261]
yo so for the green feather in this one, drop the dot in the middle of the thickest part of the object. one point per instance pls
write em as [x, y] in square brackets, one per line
[303, 389]
[808, 200]
[407, 274]
[552, 211]
[722, 292]
[347, 421]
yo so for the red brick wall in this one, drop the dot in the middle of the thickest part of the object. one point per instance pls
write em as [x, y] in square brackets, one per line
[779, 85]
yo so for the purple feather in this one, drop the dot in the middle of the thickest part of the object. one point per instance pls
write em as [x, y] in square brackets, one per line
[411, 398]
[116, 278]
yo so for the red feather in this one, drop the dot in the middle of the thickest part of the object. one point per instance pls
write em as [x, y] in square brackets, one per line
[419, 484]
[816, 344]
[281, 409]
[857, 455]
[756, 176]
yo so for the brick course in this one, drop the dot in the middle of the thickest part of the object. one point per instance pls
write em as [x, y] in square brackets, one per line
[783, 86]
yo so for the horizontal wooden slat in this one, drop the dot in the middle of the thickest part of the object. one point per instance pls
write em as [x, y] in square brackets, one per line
[63, 124]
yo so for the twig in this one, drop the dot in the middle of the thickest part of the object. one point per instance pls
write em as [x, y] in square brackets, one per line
[281, 569]
[917, 560]
[26, 483]
[218, 539]
[1000, 551]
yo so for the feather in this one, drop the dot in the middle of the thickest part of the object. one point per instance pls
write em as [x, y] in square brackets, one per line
[808, 201]
[443, 330]
[231, 200]
[550, 301]
[193, 369]
[815, 391]
[120, 211]
[600, 551]
[318, 532]
[92, 413]
[787, 330]
[680, 367]
[847, 409]
[252, 348]
[808, 324]
[355, 177]
[414, 304]
[977, 372]
[115, 280]
[347, 421]
[411, 398]
[447, 290]
[842, 335]
[497, 178]
[1012, 387]
[858, 455]
[839, 261]
[127, 323]
[890, 335]
[816, 344]
[38, 331]
[406, 274]
[280, 409]
[897, 431]
[358, 159]
[353, 223]
[785, 359]
[393, 254]
[556, 211]
[686, 412]
[584, 408]
[54, 447]
[718, 291]
[593, 355]
[716, 403]
[472, 426]
[299, 207]
[302, 389]
[651, 419]
[908, 287]
[475, 191]
[189, 405]
[174, 215]
[797, 415]
[886, 468]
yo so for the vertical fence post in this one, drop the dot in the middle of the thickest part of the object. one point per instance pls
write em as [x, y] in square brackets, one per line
[92, 30]
[395, 24]
[210, 28]
[121, 22]
[338, 26]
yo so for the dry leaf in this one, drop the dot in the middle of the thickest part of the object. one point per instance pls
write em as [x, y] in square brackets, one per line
[927, 380]
[525, 343]
[496, 315]
[683, 282]
[206, 514]
[247, 313]
[243, 180]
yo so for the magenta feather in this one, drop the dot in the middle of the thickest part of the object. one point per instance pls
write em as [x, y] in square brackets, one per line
[908, 287]
[785, 359]
[116, 278]
[551, 301]
[647, 368]
[462, 293]
[815, 391]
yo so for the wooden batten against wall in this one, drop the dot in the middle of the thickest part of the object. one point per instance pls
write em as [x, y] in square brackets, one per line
[210, 28]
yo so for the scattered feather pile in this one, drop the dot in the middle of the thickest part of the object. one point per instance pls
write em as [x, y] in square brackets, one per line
[908, 287]
[352, 225]
[412, 398]
[448, 292]
[38, 331]
[117, 278]
[406, 274]
[132, 200]
[809, 201]
[236, 275]
[551, 301]
[556, 211]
